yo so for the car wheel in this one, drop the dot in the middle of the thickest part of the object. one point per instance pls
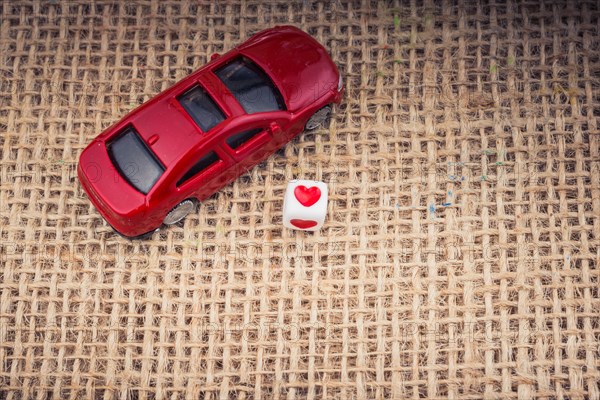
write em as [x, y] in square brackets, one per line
[318, 119]
[179, 212]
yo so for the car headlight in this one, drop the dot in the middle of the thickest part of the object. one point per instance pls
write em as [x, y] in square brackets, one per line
[340, 83]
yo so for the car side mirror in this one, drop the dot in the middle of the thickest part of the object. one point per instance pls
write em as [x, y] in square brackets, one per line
[214, 56]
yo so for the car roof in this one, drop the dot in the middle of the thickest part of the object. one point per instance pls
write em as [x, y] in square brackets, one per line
[168, 129]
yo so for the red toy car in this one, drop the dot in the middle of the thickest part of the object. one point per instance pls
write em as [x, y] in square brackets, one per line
[189, 141]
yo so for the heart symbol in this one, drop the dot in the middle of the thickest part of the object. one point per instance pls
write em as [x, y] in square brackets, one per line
[307, 196]
[303, 223]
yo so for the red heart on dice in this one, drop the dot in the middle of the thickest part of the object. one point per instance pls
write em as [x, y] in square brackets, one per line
[307, 196]
[303, 223]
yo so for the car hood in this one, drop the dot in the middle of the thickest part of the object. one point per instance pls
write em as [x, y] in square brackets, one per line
[298, 64]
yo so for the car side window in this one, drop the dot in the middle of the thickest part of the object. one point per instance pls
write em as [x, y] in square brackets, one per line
[238, 139]
[202, 108]
[204, 163]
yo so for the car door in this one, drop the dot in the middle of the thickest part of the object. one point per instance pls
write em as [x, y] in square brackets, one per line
[205, 173]
[249, 144]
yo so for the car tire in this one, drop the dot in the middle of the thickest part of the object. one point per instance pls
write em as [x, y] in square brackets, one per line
[321, 118]
[179, 212]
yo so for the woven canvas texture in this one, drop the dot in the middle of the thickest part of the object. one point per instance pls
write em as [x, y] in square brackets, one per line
[460, 253]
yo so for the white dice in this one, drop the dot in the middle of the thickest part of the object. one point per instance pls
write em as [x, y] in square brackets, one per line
[305, 205]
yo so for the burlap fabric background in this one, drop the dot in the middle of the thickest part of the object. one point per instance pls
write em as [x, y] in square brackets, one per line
[460, 254]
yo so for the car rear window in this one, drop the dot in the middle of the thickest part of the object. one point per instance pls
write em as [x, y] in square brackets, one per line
[251, 86]
[203, 110]
[134, 160]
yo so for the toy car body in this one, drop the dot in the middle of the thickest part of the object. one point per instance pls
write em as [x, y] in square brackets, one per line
[194, 138]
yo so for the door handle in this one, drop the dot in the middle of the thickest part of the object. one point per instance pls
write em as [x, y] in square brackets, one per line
[274, 128]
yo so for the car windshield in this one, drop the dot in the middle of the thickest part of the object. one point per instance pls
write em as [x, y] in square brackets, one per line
[251, 87]
[134, 160]
[203, 110]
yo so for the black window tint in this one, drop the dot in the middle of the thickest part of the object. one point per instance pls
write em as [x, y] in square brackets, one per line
[251, 87]
[201, 108]
[201, 165]
[235, 141]
[134, 160]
